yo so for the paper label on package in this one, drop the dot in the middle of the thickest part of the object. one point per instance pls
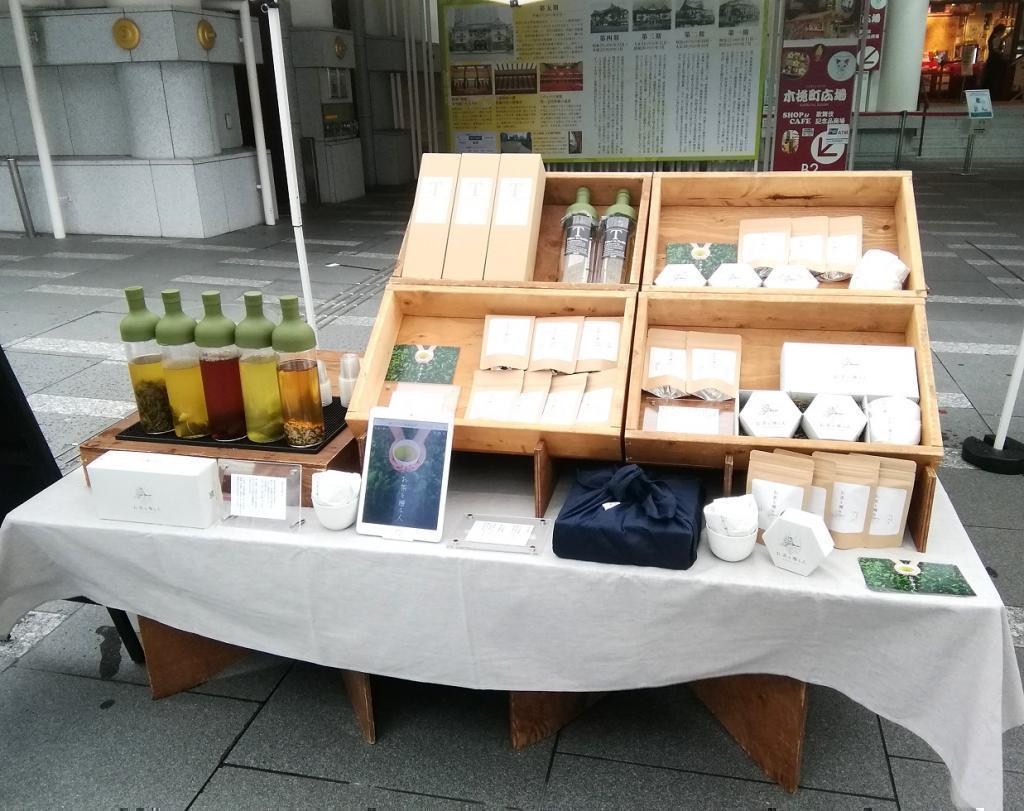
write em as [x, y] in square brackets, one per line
[433, 200]
[664, 361]
[424, 400]
[560, 407]
[595, 406]
[843, 249]
[600, 340]
[762, 245]
[850, 507]
[507, 336]
[555, 341]
[515, 197]
[816, 498]
[491, 404]
[503, 532]
[529, 406]
[774, 497]
[807, 246]
[888, 512]
[259, 496]
[684, 420]
[719, 364]
[473, 203]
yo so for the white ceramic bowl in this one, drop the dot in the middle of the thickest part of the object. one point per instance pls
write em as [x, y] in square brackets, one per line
[341, 516]
[730, 548]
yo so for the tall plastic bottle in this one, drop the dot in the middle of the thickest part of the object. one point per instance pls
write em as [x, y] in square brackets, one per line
[175, 333]
[579, 227]
[138, 331]
[297, 377]
[257, 365]
[615, 241]
[218, 365]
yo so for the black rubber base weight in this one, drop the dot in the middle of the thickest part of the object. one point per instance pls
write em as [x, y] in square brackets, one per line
[982, 454]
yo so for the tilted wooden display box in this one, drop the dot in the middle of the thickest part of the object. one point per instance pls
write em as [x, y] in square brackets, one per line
[559, 192]
[764, 325]
[708, 206]
[454, 316]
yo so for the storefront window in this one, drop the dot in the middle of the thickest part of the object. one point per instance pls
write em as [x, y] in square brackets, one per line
[970, 45]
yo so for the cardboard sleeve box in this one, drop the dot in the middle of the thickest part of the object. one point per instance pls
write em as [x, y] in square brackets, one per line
[515, 223]
[471, 218]
[426, 241]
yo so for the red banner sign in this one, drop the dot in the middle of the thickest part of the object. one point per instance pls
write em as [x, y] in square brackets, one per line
[876, 31]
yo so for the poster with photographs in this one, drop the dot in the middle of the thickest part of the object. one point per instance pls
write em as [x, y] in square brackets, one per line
[605, 79]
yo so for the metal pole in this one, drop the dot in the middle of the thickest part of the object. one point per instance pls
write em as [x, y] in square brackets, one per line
[920, 134]
[772, 71]
[858, 84]
[1011, 397]
[19, 195]
[28, 76]
[899, 141]
[410, 90]
[969, 155]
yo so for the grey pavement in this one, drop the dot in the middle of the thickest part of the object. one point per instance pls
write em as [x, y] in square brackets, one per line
[78, 728]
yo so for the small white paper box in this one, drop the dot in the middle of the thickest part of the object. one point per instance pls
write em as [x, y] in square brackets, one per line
[680, 276]
[834, 416]
[734, 274]
[807, 369]
[796, 277]
[156, 488]
[770, 414]
[895, 420]
[798, 541]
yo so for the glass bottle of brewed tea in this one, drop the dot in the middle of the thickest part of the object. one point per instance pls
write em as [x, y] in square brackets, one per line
[578, 230]
[218, 366]
[297, 377]
[615, 241]
[257, 364]
[175, 333]
[138, 331]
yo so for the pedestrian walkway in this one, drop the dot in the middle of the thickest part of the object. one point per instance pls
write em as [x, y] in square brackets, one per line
[79, 728]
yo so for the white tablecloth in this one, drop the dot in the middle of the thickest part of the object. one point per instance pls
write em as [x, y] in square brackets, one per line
[943, 667]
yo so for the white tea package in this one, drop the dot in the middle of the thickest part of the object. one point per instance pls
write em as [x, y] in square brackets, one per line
[740, 275]
[599, 344]
[686, 275]
[798, 541]
[764, 243]
[790, 277]
[834, 416]
[494, 394]
[777, 483]
[563, 400]
[843, 249]
[806, 369]
[555, 343]
[530, 404]
[895, 420]
[713, 365]
[879, 270]
[598, 396]
[770, 414]
[665, 365]
[807, 241]
[506, 341]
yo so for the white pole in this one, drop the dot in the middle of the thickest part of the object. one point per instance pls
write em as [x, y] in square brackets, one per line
[1011, 397]
[288, 147]
[410, 106]
[410, 19]
[428, 78]
[28, 76]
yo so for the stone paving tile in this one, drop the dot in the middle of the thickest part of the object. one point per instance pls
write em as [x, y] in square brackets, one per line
[957, 424]
[984, 378]
[1000, 551]
[36, 371]
[924, 786]
[973, 331]
[26, 633]
[108, 379]
[26, 314]
[986, 499]
[65, 432]
[104, 744]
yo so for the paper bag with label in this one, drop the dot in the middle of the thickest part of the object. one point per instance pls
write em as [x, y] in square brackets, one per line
[777, 482]
[851, 487]
[844, 248]
[564, 397]
[599, 344]
[596, 405]
[494, 394]
[690, 416]
[665, 365]
[531, 401]
[764, 243]
[808, 237]
[817, 494]
[506, 341]
[714, 365]
[892, 502]
[555, 343]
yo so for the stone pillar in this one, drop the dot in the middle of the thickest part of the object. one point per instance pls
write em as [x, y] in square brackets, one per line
[900, 76]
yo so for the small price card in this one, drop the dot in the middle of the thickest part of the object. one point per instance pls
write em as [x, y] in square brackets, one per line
[259, 496]
[266, 494]
[500, 533]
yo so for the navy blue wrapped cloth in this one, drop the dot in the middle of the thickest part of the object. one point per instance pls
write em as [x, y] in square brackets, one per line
[653, 522]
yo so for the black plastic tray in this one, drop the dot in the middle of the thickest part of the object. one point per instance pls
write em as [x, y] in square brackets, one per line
[334, 421]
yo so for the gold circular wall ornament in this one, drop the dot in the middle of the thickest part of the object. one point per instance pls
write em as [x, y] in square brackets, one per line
[340, 47]
[126, 34]
[206, 34]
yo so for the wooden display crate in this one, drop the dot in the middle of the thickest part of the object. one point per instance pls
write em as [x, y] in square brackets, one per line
[708, 207]
[559, 192]
[341, 453]
[764, 326]
[454, 316]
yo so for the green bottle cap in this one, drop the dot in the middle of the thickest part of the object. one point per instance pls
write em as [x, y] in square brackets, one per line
[255, 331]
[175, 328]
[140, 323]
[621, 205]
[582, 204]
[215, 329]
[292, 334]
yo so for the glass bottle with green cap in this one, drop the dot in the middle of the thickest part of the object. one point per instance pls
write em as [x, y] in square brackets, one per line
[257, 364]
[218, 365]
[297, 377]
[138, 331]
[615, 241]
[579, 226]
[175, 333]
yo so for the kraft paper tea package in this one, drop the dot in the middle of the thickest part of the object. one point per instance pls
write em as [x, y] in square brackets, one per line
[596, 405]
[844, 248]
[817, 493]
[690, 416]
[713, 365]
[665, 366]
[494, 394]
[506, 341]
[851, 496]
[808, 237]
[777, 482]
[555, 343]
[892, 502]
[764, 243]
[563, 401]
[530, 404]
[599, 344]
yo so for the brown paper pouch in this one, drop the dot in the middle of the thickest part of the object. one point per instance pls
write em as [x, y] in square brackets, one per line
[851, 496]
[764, 243]
[896, 479]
[555, 343]
[844, 248]
[563, 401]
[494, 394]
[777, 482]
[808, 238]
[599, 344]
[598, 397]
[713, 365]
[689, 415]
[531, 400]
[506, 341]
[665, 364]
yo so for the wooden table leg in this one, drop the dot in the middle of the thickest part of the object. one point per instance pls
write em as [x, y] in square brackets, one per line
[544, 479]
[178, 660]
[765, 715]
[360, 696]
[534, 716]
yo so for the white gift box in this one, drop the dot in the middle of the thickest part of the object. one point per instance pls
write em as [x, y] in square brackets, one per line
[734, 274]
[798, 541]
[680, 276]
[795, 277]
[156, 488]
[895, 420]
[834, 416]
[807, 369]
[770, 414]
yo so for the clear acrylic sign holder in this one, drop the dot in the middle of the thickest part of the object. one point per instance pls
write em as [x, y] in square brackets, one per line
[265, 495]
[500, 533]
